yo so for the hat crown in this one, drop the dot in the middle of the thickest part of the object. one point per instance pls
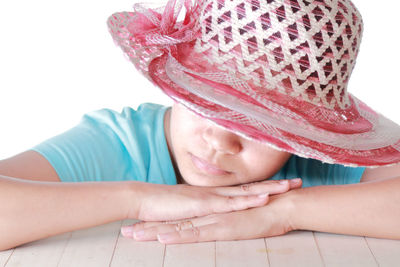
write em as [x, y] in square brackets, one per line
[301, 48]
[279, 72]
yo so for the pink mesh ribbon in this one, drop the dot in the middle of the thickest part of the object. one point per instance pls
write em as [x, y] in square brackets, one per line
[206, 50]
[150, 27]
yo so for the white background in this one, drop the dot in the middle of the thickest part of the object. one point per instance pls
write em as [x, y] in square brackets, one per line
[58, 62]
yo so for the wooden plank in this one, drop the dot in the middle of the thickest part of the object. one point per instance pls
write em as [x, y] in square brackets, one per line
[41, 253]
[129, 252]
[241, 253]
[385, 251]
[91, 247]
[344, 250]
[193, 255]
[5, 255]
[297, 248]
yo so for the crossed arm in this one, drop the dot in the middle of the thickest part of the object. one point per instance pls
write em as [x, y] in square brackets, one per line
[33, 206]
[371, 208]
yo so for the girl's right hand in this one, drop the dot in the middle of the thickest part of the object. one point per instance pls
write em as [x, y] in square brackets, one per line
[175, 202]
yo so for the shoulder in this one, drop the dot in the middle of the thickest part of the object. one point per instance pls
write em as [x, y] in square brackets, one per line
[129, 119]
[315, 172]
[145, 109]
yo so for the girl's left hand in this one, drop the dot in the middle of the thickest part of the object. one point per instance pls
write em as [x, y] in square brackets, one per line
[269, 220]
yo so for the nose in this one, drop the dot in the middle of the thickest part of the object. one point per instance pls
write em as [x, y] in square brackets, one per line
[222, 140]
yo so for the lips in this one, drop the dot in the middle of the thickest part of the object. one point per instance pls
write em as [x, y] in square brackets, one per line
[207, 167]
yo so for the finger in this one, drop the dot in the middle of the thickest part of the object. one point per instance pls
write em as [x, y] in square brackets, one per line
[146, 231]
[210, 232]
[225, 204]
[269, 186]
[144, 225]
[216, 227]
[129, 230]
[251, 188]
[295, 183]
[150, 233]
[285, 185]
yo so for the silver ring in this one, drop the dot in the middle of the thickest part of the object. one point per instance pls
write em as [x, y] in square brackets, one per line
[184, 225]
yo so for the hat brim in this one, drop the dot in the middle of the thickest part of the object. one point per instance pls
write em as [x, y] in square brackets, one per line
[377, 146]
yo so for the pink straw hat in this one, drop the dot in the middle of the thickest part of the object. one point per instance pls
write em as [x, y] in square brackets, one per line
[269, 70]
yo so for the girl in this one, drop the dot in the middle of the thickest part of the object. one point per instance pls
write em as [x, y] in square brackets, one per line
[275, 72]
[279, 94]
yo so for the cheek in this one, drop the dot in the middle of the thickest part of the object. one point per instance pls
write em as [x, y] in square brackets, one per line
[181, 118]
[185, 135]
[256, 165]
[263, 162]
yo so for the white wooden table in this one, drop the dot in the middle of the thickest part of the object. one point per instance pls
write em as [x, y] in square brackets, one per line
[104, 246]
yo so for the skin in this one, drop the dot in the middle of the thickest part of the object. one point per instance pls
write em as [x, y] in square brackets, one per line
[374, 209]
[195, 213]
[30, 189]
[242, 160]
[34, 194]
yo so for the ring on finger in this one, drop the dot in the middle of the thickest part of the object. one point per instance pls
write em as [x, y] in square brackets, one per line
[184, 225]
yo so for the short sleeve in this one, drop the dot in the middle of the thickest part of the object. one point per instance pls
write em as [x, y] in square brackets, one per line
[110, 146]
[314, 172]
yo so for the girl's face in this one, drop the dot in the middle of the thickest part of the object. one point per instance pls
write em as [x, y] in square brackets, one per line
[205, 154]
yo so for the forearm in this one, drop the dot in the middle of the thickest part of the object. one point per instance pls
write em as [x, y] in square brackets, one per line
[34, 210]
[365, 209]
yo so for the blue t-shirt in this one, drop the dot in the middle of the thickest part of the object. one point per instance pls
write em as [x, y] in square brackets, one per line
[110, 146]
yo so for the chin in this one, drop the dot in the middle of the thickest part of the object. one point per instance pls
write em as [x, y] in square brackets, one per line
[198, 181]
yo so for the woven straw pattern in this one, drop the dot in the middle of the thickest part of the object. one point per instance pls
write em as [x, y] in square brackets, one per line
[383, 133]
[275, 71]
[397, 146]
[349, 150]
[301, 48]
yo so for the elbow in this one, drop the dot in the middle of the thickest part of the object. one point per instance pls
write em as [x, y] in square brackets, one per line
[5, 244]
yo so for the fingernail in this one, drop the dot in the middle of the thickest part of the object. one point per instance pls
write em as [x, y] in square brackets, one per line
[263, 195]
[138, 234]
[127, 231]
[283, 182]
[165, 238]
[296, 180]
